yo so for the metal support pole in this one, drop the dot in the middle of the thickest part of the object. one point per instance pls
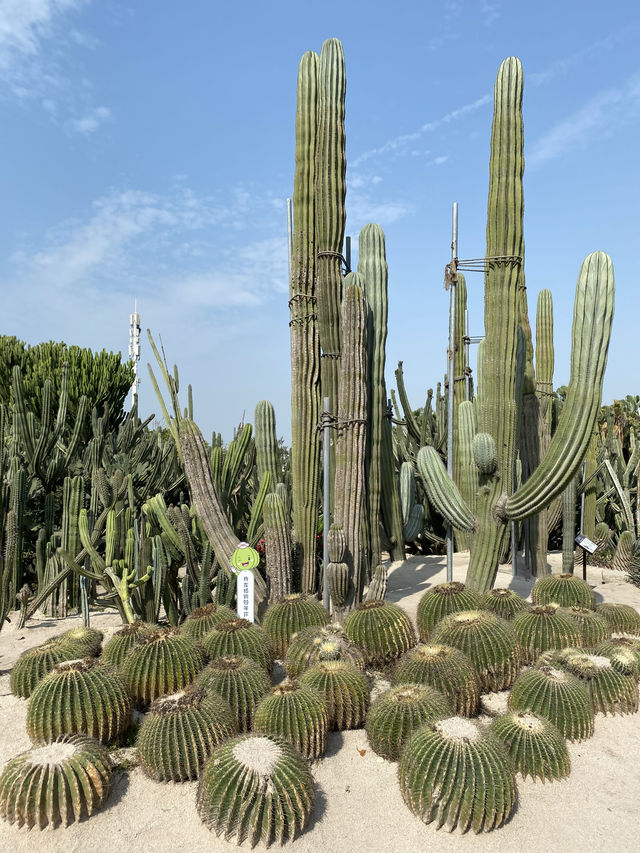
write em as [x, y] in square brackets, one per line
[326, 499]
[347, 252]
[514, 554]
[451, 371]
[289, 234]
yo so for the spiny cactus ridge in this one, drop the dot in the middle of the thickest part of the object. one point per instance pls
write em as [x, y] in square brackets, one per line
[556, 695]
[86, 640]
[202, 619]
[622, 618]
[315, 644]
[383, 631]
[238, 637]
[624, 654]
[290, 615]
[503, 602]
[118, 647]
[297, 713]
[564, 589]
[34, 664]
[242, 682]
[544, 627]
[593, 627]
[535, 745]
[446, 669]
[162, 662]
[610, 691]
[345, 689]
[442, 600]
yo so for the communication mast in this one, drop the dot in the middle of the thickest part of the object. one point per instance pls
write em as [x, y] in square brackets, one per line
[134, 350]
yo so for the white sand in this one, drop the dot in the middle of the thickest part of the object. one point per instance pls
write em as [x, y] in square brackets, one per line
[358, 802]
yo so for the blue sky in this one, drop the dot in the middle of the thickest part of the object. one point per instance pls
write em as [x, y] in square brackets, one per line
[147, 152]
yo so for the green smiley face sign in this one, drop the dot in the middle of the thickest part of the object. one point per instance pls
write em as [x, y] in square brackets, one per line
[245, 557]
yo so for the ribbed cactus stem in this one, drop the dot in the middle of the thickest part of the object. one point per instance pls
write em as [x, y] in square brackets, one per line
[264, 425]
[568, 526]
[277, 547]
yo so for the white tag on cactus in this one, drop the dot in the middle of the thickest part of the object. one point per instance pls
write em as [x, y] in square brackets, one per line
[245, 595]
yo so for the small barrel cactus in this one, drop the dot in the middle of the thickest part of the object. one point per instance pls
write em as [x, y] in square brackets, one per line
[181, 731]
[238, 637]
[79, 697]
[242, 682]
[162, 662]
[398, 712]
[383, 632]
[202, 619]
[622, 618]
[315, 644]
[503, 602]
[298, 714]
[557, 696]
[485, 454]
[593, 628]
[610, 691]
[338, 576]
[345, 689]
[448, 670]
[256, 788]
[565, 590]
[57, 783]
[489, 642]
[544, 627]
[117, 648]
[624, 654]
[453, 773]
[535, 745]
[442, 600]
[86, 640]
[35, 663]
[290, 615]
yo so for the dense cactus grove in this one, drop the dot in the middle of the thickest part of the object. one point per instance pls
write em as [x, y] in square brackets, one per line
[98, 509]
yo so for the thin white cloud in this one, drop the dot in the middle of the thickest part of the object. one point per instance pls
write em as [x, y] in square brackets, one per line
[90, 122]
[604, 114]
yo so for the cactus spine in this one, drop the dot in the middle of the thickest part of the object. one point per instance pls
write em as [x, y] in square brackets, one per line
[296, 713]
[446, 669]
[239, 637]
[345, 689]
[557, 696]
[383, 631]
[441, 600]
[285, 618]
[535, 745]
[240, 681]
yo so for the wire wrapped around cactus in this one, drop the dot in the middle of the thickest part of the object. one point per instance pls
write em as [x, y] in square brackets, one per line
[544, 627]
[624, 654]
[398, 712]
[86, 640]
[202, 619]
[315, 644]
[622, 618]
[79, 697]
[34, 664]
[297, 713]
[256, 788]
[447, 669]
[535, 745]
[118, 647]
[56, 783]
[453, 773]
[442, 600]
[239, 637]
[564, 589]
[345, 689]
[593, 628]
[383, 632]
[162, 662]
[557, 696]
[241, 682]
[487, 640]
[610, 691]
[503, 602]
[288, 616]
[181, 731]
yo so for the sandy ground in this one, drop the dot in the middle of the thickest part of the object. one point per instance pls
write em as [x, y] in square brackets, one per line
[358, 803]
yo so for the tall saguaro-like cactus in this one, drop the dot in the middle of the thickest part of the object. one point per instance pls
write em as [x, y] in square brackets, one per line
[499, 403]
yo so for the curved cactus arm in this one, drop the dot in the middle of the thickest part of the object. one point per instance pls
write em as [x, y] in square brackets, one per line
[592, 319]
[442, 491]
[623, 495]
[413, 427]
[255, 522]
[83, 529]
[77, 567]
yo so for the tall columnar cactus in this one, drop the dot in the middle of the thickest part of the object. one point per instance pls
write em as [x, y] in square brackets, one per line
[345, 689]
[441, 600]
[535, 745]
[569, 497]
[296, 713]
[383, 632]
[557, 696]
[372, 266]
[498, 401]
[264, 427]
[285, 618]
[446, 669]
[56, 783]
[277, 545]
[256, 788]
[352, 432]
[455, 774]
[468, 472]
[242, 682]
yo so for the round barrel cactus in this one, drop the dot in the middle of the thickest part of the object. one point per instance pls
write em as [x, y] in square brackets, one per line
[489, 642]
[345, 689]
[565, 590]
[398, 712]
[624, 654]
[610, 691]
[35, 663]
[117, 648]
[556, 695]
[79, 697]
[621, 618]
[241, 682]
[201, 620]
[286, 617]
[57, 783]
[503, 602]
[593, 628]
[447, 669]
[298, 714]
[181, 731]
[256, 788]
[315, 644]
[87, 641]
[485, 454]
[162, 662]
[544, 627]
[453, 773]
[383, 632]
[535, 745]
[239, 637]
[442, 600]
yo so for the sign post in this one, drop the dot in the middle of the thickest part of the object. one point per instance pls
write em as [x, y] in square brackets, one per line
[588, 547]
[243, 561]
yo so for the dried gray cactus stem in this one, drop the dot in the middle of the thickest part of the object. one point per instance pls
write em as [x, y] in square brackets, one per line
[277, 543]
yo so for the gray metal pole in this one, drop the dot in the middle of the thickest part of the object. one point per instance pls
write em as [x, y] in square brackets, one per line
[289, 233]
[326, 496]
[514, 555]
[347, 251]
[451, 371]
